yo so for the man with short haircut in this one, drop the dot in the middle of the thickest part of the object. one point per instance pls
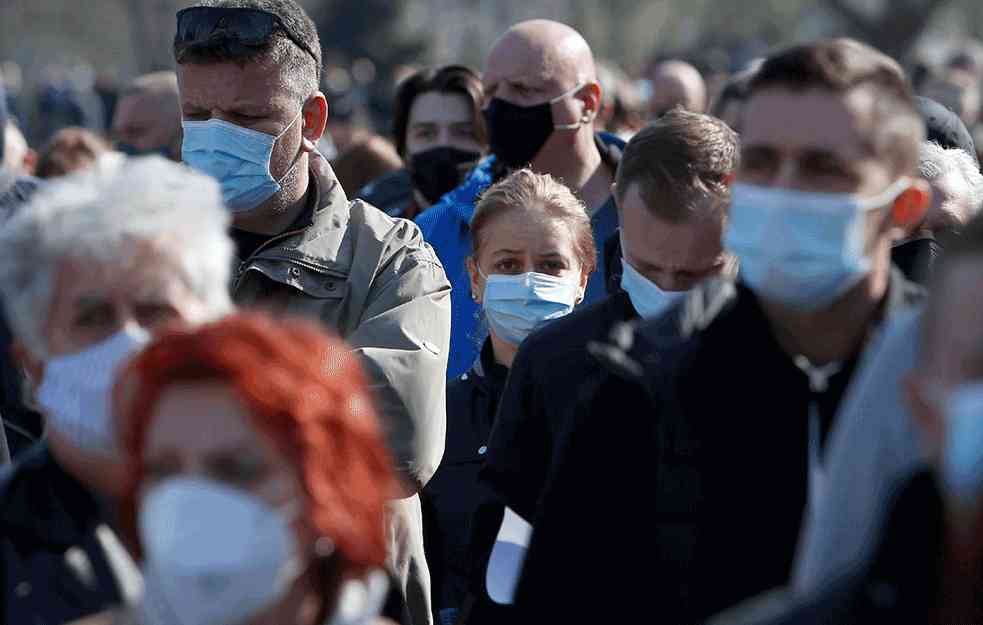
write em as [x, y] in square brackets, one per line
[699, 454]
[677, 83]
[542, 101]
[147, 119]
[248, 73]
[94, 265]
[672, 193]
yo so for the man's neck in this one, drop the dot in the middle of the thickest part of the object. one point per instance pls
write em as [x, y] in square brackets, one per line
[834, 334]
[580, 168]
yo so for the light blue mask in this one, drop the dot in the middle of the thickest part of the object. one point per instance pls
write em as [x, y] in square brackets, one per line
[646, 297]
[801, 249]
[239, 158]
[517, 305]
[962, 464]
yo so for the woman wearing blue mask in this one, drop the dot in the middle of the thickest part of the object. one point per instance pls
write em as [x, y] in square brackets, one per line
[533, 252]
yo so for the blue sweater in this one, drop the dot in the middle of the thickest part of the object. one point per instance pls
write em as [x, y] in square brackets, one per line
[446, 226]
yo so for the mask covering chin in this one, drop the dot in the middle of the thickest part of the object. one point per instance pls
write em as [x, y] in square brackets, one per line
[239, 158]
[916, 257]
[439, 170]
[517, 133]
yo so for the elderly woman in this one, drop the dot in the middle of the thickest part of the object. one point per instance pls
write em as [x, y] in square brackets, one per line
[258, 478]
[533, 252]
[93, 266]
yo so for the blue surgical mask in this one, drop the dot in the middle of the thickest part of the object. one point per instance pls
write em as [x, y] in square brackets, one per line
[517, 305]
[962, 464]
[801, 249]
[648, 299]
[239, 158]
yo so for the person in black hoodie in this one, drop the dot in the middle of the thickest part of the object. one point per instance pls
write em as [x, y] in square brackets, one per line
[533, 252]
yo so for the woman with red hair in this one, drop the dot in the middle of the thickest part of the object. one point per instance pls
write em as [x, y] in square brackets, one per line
[259, 478]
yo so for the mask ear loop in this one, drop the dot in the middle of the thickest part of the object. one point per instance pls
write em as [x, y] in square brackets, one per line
[575, 125]
[300, 153]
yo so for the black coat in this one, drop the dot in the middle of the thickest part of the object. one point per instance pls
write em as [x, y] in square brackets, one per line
[453, 497]
[59, 562]
[682, 482]
[540, 399]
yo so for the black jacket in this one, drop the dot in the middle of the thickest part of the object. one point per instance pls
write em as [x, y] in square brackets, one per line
[902, 585]
[452, 498]
[59, 561]
[539, 400]
[683, 479]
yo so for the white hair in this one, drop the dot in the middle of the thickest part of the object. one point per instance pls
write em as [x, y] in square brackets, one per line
[98, 214]
[935, 161]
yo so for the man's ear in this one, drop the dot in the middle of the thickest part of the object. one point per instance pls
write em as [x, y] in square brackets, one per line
[590, 95]
[315, 117]
[909, 208]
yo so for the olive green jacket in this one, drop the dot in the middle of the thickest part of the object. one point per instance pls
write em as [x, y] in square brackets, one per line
[374, 281]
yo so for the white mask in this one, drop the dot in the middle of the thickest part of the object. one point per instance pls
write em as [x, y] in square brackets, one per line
[76, 389]
[648, 299]
[215, 555]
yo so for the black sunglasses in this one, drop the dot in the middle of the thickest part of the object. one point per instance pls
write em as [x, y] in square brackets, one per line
[251, 28]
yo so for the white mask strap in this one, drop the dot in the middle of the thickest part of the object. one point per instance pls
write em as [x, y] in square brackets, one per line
[577, 124]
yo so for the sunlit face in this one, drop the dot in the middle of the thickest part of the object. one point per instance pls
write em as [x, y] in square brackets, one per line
[521, 241]
[950, 202]
[204, 430]
[258, 96]
[441, 120]
[93, 299]
[675, 256]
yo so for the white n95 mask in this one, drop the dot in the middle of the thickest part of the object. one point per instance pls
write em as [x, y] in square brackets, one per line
[215, 555]
[76, 390]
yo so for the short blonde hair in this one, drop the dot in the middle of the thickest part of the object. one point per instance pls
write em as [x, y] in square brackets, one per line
[525, 190]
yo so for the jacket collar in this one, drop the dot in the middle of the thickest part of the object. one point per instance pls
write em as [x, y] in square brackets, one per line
[487, 370]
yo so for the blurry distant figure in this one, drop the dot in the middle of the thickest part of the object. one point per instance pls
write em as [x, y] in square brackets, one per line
[677, 83]
[67, 98]
[18, 157]
[148, 117]
[729, 104]
[621, 111]
[70, 150]
[347, 122]
[108, 93]
[440, 134]
[968, 57]
[957, 89]
[364, 161]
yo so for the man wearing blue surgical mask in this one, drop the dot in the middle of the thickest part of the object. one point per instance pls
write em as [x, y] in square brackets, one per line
[248, 73]
[672, 192]
[717, 454]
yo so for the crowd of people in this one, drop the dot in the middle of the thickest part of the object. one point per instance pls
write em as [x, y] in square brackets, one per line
[560, 349]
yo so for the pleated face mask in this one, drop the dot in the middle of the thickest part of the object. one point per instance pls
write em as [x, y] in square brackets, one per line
[515, 305]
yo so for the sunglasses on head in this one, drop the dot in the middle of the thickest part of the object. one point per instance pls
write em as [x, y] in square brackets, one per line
[249, 28]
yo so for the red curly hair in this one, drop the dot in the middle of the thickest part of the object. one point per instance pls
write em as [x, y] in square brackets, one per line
[303, 390]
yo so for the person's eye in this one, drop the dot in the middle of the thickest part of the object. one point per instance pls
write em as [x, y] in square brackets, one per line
[554, 267]
[152, 313]
[507, 265]
[239, 471]
[95, 317]
[466, 132]
[155, 471]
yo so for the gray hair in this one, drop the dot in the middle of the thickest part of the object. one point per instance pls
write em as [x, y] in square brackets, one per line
[935, 161]
[98, 214]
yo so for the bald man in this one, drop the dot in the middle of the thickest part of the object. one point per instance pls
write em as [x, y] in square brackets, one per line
[542, 98]
[148, 117]
[677, 83]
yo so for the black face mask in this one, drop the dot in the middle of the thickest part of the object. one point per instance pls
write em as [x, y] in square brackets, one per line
[517, 133]
[915, 258]
[439, 170]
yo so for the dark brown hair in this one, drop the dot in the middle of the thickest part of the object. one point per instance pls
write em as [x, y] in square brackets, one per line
[525, 190]
[70, 150]
[678, 161]
[452, 79]
[841, 65]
